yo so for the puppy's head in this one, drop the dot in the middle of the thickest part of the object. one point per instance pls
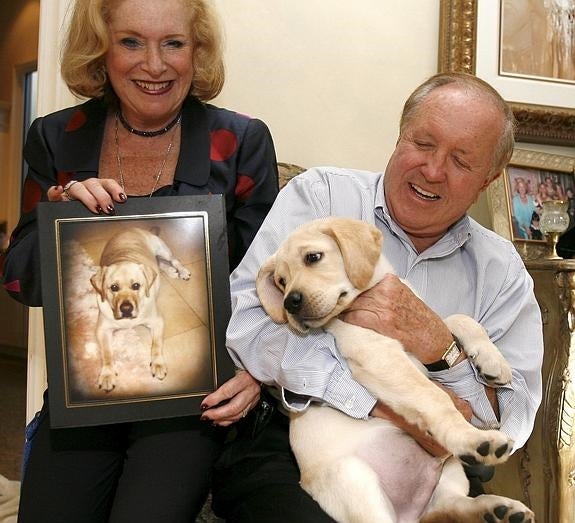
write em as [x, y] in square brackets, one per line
[124, 287]
[318, 271]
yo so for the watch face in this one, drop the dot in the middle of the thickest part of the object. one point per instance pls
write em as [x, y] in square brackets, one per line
[452, 354]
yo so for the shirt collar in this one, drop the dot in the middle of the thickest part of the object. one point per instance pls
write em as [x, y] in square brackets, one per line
[455, 237]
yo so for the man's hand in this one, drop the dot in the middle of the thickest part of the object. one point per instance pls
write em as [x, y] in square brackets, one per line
[392, 309]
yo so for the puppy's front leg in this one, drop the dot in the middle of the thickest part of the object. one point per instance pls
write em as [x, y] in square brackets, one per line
[381, 365]
[158, 365]
[107, 377]
[486, 357]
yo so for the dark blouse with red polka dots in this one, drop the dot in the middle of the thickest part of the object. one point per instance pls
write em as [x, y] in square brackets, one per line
[222, 152]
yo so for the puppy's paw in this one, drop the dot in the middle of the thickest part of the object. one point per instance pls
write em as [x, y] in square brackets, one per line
[496, 509]
[159, 368]
[487, 447]
[107, 378]
[482, 509]
[184, 274]
[490, 364]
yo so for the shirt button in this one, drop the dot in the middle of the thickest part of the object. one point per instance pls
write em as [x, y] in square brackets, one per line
[350, 403]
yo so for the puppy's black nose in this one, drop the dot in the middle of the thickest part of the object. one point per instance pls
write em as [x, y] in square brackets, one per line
[293, 302]
[126, 308]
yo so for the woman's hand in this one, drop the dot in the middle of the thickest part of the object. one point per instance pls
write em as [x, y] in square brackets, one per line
[232, 401]
[98, 195]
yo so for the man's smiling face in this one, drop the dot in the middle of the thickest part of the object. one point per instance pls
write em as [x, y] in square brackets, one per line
[442, 161]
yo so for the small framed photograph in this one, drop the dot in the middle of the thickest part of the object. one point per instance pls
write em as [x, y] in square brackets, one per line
[516, 198]
[136, 307]
[531, 180]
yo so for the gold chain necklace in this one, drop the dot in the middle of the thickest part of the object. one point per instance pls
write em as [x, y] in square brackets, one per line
[159, 175]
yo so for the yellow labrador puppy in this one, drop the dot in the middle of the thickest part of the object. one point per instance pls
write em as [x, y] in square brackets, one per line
[127, 283]
[370, 471]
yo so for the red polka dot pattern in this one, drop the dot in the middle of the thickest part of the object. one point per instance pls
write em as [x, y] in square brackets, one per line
[78, 120]
[223, 143]
[63, 177]
[12, 286]
[244, 187]
[31, 195]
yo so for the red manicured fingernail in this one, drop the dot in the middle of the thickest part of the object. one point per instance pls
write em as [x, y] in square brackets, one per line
[123, 197]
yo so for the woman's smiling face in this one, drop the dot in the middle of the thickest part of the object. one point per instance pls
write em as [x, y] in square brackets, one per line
[150, 59]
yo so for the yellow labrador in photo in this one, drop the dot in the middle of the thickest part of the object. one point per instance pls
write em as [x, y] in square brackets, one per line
[369, 470]
[127, 283]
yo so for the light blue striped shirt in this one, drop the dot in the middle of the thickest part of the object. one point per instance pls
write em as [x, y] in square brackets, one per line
[471, 270]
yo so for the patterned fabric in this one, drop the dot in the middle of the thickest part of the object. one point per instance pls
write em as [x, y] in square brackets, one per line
[222, 152]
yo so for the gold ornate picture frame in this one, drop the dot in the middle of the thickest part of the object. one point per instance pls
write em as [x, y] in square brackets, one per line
[534, 168]
[458, 37]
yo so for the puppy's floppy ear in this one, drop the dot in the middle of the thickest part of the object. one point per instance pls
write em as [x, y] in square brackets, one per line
[97, 281]
[150, 275]
[360, 246]
[270, 296]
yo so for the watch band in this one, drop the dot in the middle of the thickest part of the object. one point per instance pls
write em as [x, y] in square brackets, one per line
[448, 359]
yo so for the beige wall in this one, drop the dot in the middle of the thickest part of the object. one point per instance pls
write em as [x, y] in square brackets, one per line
[328, 77]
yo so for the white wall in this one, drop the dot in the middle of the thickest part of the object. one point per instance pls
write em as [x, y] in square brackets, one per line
[329, 77]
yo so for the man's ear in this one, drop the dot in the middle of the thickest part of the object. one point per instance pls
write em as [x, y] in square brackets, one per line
[360, 246]
[271, 298]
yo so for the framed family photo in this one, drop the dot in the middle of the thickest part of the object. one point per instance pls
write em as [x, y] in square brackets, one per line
[527, 54]
[531, 180]
[135, 308]
[516, 198]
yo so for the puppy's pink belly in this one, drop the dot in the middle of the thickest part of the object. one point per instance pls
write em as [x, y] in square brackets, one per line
[407, 473]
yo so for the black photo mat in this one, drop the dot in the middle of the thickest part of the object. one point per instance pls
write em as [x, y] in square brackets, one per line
[136, 306]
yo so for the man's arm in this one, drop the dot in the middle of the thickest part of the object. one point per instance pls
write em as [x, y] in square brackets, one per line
[307, 367]
[513, 320]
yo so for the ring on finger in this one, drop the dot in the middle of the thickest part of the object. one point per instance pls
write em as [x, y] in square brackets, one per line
[67, 188]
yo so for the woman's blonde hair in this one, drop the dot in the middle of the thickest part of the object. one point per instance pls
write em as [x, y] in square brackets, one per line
[86, 43]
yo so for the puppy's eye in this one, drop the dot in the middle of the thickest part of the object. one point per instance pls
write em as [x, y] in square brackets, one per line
[114, 287]
[313, 257]
[282, 283]
[135, 286]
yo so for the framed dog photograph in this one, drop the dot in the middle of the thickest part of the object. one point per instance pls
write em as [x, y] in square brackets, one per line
[136, 306]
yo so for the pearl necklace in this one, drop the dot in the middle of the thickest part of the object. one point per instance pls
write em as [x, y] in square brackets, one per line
[147, 134]
[119, 159]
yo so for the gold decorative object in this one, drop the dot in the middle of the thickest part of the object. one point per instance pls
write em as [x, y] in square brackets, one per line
[554, 221]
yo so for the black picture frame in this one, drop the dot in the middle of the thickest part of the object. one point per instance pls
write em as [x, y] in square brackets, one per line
[122, 297]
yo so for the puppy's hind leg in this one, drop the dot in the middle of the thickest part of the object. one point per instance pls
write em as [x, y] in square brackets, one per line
[349, 491]
[167, 262]
[450, 503]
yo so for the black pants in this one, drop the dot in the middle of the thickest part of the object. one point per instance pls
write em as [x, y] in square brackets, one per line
[145, 472]
[256, 479]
